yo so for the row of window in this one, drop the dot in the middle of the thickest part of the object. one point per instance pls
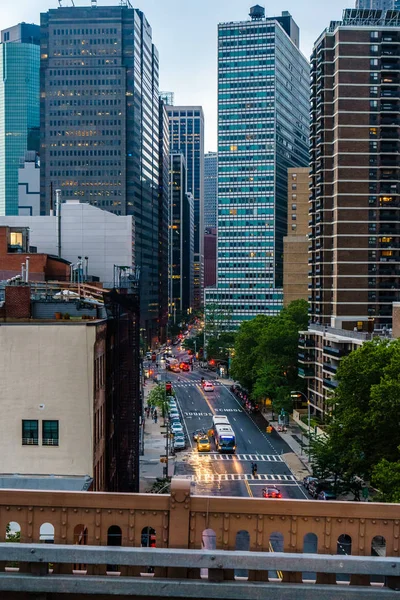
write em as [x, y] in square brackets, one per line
[86, 31]
[30, 432]
[83, 82]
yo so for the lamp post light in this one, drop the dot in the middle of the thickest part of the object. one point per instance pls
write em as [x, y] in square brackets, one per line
[296, 394]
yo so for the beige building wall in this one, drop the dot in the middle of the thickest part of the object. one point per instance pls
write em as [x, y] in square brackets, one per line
[46, 372]
[295, 244]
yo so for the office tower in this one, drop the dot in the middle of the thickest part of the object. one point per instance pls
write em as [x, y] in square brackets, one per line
[210, 189]
[181, 240]
[187, 137]
[263, 128]
[295, 243]
[163, 222]
[376, 4]
[19, 106]
[210, 256]
[100, 124]
[355, 194]
[167, 97]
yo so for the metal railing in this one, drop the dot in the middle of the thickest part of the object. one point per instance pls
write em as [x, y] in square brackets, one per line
[175, 573]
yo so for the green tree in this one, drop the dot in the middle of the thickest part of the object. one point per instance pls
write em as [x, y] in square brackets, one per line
[219, 346]
[158, 398]
[386, 477]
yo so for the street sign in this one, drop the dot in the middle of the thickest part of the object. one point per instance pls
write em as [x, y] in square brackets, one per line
[365, 493]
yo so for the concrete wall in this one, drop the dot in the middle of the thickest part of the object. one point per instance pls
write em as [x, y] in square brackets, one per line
[46, 372]
[107, 239]
[29, 189]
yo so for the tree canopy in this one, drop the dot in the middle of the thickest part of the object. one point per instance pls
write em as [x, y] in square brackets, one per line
[266, 348]
[364, 434]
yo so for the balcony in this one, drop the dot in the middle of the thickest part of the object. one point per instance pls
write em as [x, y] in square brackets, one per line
[306, 373]
[331, 368]
[336, 352]
[330, 383]
[306, 357]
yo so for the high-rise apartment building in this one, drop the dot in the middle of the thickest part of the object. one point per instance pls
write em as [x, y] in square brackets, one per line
[376, 4]
[263, 129]
[210, 189]
[295, 244]
[187, 138]
[181, 242]
[19, 106]
[100, 124]
[355, 192]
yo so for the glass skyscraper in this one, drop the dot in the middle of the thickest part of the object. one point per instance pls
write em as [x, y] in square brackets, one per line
[19, 106]
[100, 124]
[263, 129]
[187, 137]
[210, 189]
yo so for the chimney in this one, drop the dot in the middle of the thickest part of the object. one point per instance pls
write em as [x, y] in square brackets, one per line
[18, 302]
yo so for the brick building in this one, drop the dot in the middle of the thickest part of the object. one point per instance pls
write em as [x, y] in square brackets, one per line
[14, 251]
[295, 244]
[355, 191]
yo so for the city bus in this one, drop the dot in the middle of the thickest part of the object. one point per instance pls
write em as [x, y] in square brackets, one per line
[224, 437]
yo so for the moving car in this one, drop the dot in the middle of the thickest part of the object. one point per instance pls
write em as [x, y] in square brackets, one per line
[272, 492]
[203, 444]
[184, 366]
[208, 386]
[148, 355]
[198, 434]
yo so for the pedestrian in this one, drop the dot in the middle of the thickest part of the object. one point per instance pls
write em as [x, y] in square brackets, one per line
[148, 411]
[155, 416]
[152, 411]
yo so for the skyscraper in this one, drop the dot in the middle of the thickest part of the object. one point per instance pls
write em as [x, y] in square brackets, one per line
[100, 124]
[355, 194]
[187, 137]
[210, 189]
[376, 4]
[181, 239]
[19, 106]
[163, 220]
[263, 129]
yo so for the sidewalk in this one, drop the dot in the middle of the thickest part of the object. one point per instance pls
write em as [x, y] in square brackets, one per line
[154, 446]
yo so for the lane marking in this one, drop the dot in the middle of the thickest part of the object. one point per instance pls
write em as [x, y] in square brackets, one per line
[248, 489]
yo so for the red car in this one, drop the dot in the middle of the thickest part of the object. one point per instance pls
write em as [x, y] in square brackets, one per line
[184, 367]
[272, 492]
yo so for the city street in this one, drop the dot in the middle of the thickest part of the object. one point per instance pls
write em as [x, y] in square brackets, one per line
[228, 474]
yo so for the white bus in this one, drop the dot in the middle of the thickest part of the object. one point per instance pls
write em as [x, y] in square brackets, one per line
[220, 420]
[224, 438]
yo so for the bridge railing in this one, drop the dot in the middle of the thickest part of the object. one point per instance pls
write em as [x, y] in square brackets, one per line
[182, 521]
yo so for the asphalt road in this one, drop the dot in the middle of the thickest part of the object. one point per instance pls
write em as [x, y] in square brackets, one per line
[228, 474]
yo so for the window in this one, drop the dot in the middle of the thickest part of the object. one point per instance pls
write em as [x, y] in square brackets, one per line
[294, 176]
[294, 227]
[294, 206]
[294, 186]
[374, 62]
[30, 433]
[373, 104]
[50, 435]
[294, 217]
[374, 49]
[374, 35]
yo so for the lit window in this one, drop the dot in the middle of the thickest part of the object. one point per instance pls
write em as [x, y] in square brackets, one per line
[234, 148]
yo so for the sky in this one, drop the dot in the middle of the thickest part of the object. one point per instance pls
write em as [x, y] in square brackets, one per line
[185, 33]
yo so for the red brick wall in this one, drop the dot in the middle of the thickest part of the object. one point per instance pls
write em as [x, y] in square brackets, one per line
[18, 302]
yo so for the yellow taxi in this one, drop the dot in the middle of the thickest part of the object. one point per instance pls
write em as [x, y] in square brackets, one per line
[203, 444]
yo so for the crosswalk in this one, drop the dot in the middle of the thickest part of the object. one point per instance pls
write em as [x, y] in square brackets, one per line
[237, 457]
[218, 477]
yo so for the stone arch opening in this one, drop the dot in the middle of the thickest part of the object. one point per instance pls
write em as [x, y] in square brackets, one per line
[310, 546]
[242, 544]
[114, 538]
[208, 542]
[343, 549]
[46, 533]
[276, 544]
[378, 548]
[12, 535]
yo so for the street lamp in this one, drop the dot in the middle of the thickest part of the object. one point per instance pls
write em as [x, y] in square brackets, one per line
[295, 394]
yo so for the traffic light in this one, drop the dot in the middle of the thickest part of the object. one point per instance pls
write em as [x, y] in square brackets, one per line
[168, 388]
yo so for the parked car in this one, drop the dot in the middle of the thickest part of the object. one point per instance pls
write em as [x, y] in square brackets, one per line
[174, 412]
[179, 442]
[272, 492]
[175, 419]
[208, 386]
[307, 480]
[148, 355]
[326, 495]
[176, 427]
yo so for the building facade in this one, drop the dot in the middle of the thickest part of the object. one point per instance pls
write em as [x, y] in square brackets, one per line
[19, 106]
[210, 189]
[99, 238]
[210, 256]
[181, 242]
[187, 138]
[263, 128]
[355, 195]
[163, 216]
[100, 124]
[377, 4]
[295, 243]
[29, 184]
